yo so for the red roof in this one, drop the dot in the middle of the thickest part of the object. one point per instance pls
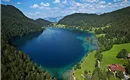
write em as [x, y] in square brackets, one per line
[116, 67]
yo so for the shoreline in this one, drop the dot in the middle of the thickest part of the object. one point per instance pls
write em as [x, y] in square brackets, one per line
[71, 73]
[84, 59]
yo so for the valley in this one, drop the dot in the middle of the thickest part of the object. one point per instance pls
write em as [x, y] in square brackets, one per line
[79, 46]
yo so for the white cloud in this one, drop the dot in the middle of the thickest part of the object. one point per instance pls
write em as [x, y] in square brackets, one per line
[126, 0]
[44, 4]
[19, 3]
[35, 6]
[102, 6]
[66, 7]
[57, 1]
[109, 3]
[102, 2]
[34, 13]
[97, 7]
[91, 1]
[78, 4]
[41, 6]
[6, 0]
[117, 0]
[64, 2]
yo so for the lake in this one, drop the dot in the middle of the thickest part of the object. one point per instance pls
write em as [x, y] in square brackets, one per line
[57, 50]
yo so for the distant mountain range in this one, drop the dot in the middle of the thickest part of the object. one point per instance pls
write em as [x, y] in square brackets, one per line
[53, 19]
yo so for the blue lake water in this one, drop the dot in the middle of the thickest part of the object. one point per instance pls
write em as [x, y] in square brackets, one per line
[56, 49]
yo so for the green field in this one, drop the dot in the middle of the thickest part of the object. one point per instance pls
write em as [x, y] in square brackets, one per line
[109, 57]
[99, 35]
[88, 64]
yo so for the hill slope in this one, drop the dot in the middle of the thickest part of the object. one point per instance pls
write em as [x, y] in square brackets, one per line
[119, 21]
[15, 23]
[84, 19]
[15, 65]
[42, 22]
[54, 19]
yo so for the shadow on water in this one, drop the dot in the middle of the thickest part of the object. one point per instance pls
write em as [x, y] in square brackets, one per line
[18, 40]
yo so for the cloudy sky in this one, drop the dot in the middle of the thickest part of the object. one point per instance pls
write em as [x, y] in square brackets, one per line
[53, 8]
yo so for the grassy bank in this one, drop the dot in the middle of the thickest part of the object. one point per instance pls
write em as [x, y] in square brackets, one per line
[109, 57]
[88, 64]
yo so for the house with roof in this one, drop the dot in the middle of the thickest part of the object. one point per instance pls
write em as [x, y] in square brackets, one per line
[116, 67]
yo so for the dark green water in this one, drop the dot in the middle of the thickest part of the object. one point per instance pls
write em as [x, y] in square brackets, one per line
[56, 49]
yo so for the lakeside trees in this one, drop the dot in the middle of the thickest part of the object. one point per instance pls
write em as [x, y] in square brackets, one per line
[120, 26]
[16, 65]
[43, 22]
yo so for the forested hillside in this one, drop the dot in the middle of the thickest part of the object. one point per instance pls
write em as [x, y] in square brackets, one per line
[16, 65]
[88, 20]
[43, 22]
[14, 22]
[119, 21]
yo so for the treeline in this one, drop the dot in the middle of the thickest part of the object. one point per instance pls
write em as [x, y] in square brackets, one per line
[16, 65]
[119, 21]
[43, 22]
[15, 23]
[94, 20]
[84, 19]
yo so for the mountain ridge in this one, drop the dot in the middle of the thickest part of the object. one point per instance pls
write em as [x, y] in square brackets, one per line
[16, 65]
[79, 19]
[13, 18]
[54, 19]
[43, 22]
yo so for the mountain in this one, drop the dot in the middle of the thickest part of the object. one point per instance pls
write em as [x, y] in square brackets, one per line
[84, 19]
[15, 65]
[14, 22]
[119, 21]
[42, 22]
[54, 19]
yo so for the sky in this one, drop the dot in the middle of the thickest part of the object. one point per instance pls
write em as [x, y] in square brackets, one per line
[53, 8]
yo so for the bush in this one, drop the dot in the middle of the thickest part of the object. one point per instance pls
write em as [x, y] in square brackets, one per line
[122, 54]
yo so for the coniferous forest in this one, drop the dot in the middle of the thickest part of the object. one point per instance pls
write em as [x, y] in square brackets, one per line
[15, 65]
[119, 21]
